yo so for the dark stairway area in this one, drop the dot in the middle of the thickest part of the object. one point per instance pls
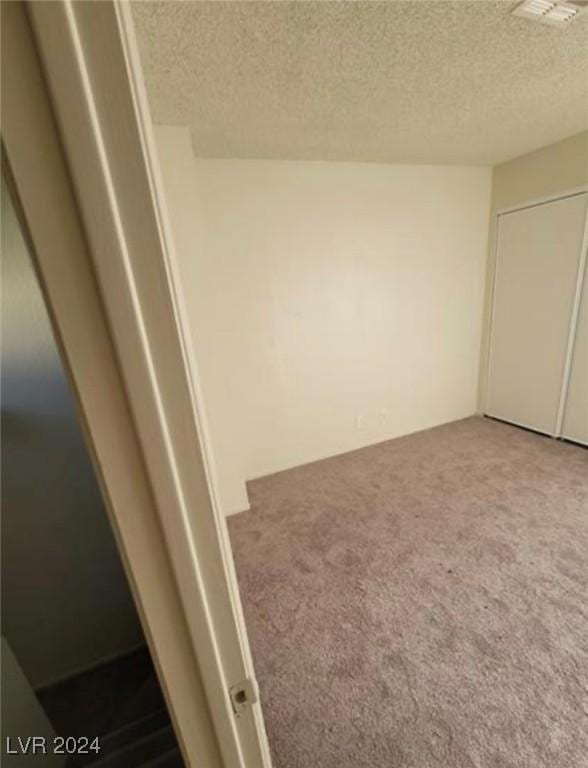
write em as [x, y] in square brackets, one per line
[70, 628]
[121, 703]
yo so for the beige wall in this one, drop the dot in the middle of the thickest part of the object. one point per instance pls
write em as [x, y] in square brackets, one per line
[333, 305]
[549, 171]
[182, 197]
[65, 601]
[556, 168]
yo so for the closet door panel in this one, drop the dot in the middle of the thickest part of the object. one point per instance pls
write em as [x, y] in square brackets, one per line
[575, 423]
[538, 251]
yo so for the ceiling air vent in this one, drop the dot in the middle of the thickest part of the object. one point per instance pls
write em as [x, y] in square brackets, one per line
[555, 12]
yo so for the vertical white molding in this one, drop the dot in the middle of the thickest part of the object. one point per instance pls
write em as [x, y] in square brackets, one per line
[133, 62]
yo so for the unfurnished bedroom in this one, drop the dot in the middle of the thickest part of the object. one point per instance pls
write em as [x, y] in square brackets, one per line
[379, 213]
[316, 275]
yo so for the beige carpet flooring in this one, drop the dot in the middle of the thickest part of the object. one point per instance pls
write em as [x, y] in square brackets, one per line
[423, 603]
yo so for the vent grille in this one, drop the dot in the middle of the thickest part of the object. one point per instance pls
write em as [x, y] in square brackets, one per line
[558, 13]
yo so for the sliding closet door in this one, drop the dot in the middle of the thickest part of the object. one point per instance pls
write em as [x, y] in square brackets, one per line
[575, 423]
[536, 275]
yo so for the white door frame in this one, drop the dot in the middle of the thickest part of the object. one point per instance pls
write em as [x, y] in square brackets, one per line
[542, 200]
[89, 193]
[582, 265]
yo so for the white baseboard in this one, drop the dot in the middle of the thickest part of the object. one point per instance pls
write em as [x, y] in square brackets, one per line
[237, 511]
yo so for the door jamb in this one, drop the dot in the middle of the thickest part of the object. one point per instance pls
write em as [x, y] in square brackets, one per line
[542, 200]
[137, 83]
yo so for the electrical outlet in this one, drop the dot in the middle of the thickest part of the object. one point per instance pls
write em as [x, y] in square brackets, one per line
[383, 415]
[359, 422]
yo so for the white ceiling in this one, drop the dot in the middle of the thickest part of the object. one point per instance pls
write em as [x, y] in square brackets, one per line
[415, 81]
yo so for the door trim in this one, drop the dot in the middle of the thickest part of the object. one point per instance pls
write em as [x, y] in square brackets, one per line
[542, 200]
[143, 115]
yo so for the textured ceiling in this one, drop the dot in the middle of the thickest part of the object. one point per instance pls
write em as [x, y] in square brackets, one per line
[395, 81]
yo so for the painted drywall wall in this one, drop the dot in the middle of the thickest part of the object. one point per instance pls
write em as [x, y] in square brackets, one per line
[22, 716]
[220, 396]
[332, 305]
[555, 169]
[65, 600]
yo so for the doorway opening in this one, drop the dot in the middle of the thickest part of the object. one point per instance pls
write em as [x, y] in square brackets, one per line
[76, 667]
